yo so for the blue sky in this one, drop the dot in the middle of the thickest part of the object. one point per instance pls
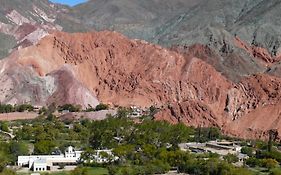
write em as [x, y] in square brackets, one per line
[69, 2]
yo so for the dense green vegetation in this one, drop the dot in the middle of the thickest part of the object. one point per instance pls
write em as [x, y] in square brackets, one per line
[4, 126]
[149, 147]
[70, 108]
[7, 108]
[99, 107]
[8, 154]
[77, 108]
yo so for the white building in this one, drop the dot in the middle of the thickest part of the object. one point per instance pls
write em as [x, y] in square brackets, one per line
[136, 112]
[40, 165]
[45, 162]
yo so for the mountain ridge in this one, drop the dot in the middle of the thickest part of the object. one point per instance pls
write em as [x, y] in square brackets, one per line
[209, 63]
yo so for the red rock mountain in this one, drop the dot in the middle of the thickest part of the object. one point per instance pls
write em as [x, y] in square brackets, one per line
[85, 68]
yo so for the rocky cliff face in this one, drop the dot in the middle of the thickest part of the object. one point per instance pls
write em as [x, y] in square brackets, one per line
[83, 67]
[249, 109]
[242, 34]
[212, 23]
[24, 22]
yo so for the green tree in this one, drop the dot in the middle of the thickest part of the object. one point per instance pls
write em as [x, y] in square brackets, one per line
[253, 162]
[24, 107]
[260, 145]
[6, 108]
[3, 161]
[160, 167]
[272, 137]
[88, 156]
[51, 117]
[44, 147]
[270, 163]
[69, 107]
[179, 134]
[7, 171]
[101, 106]
[124, 152]
[104, 155]
[231, 158]
[247, 150]
[17, 149]
[43, 111]
[4, 126]
[123, 112]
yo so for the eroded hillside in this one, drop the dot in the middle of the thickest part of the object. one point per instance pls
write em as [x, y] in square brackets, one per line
[106, 66]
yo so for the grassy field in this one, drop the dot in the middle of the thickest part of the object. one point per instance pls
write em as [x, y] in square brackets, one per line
[90, 171]
[98, 171]
[261, 171]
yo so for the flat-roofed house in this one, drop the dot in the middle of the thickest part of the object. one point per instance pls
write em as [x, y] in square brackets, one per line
[45, 162]
[219, 147]
[40, 165]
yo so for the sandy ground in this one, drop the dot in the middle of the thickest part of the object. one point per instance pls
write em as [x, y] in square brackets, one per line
[18, 116]
[98, 115]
